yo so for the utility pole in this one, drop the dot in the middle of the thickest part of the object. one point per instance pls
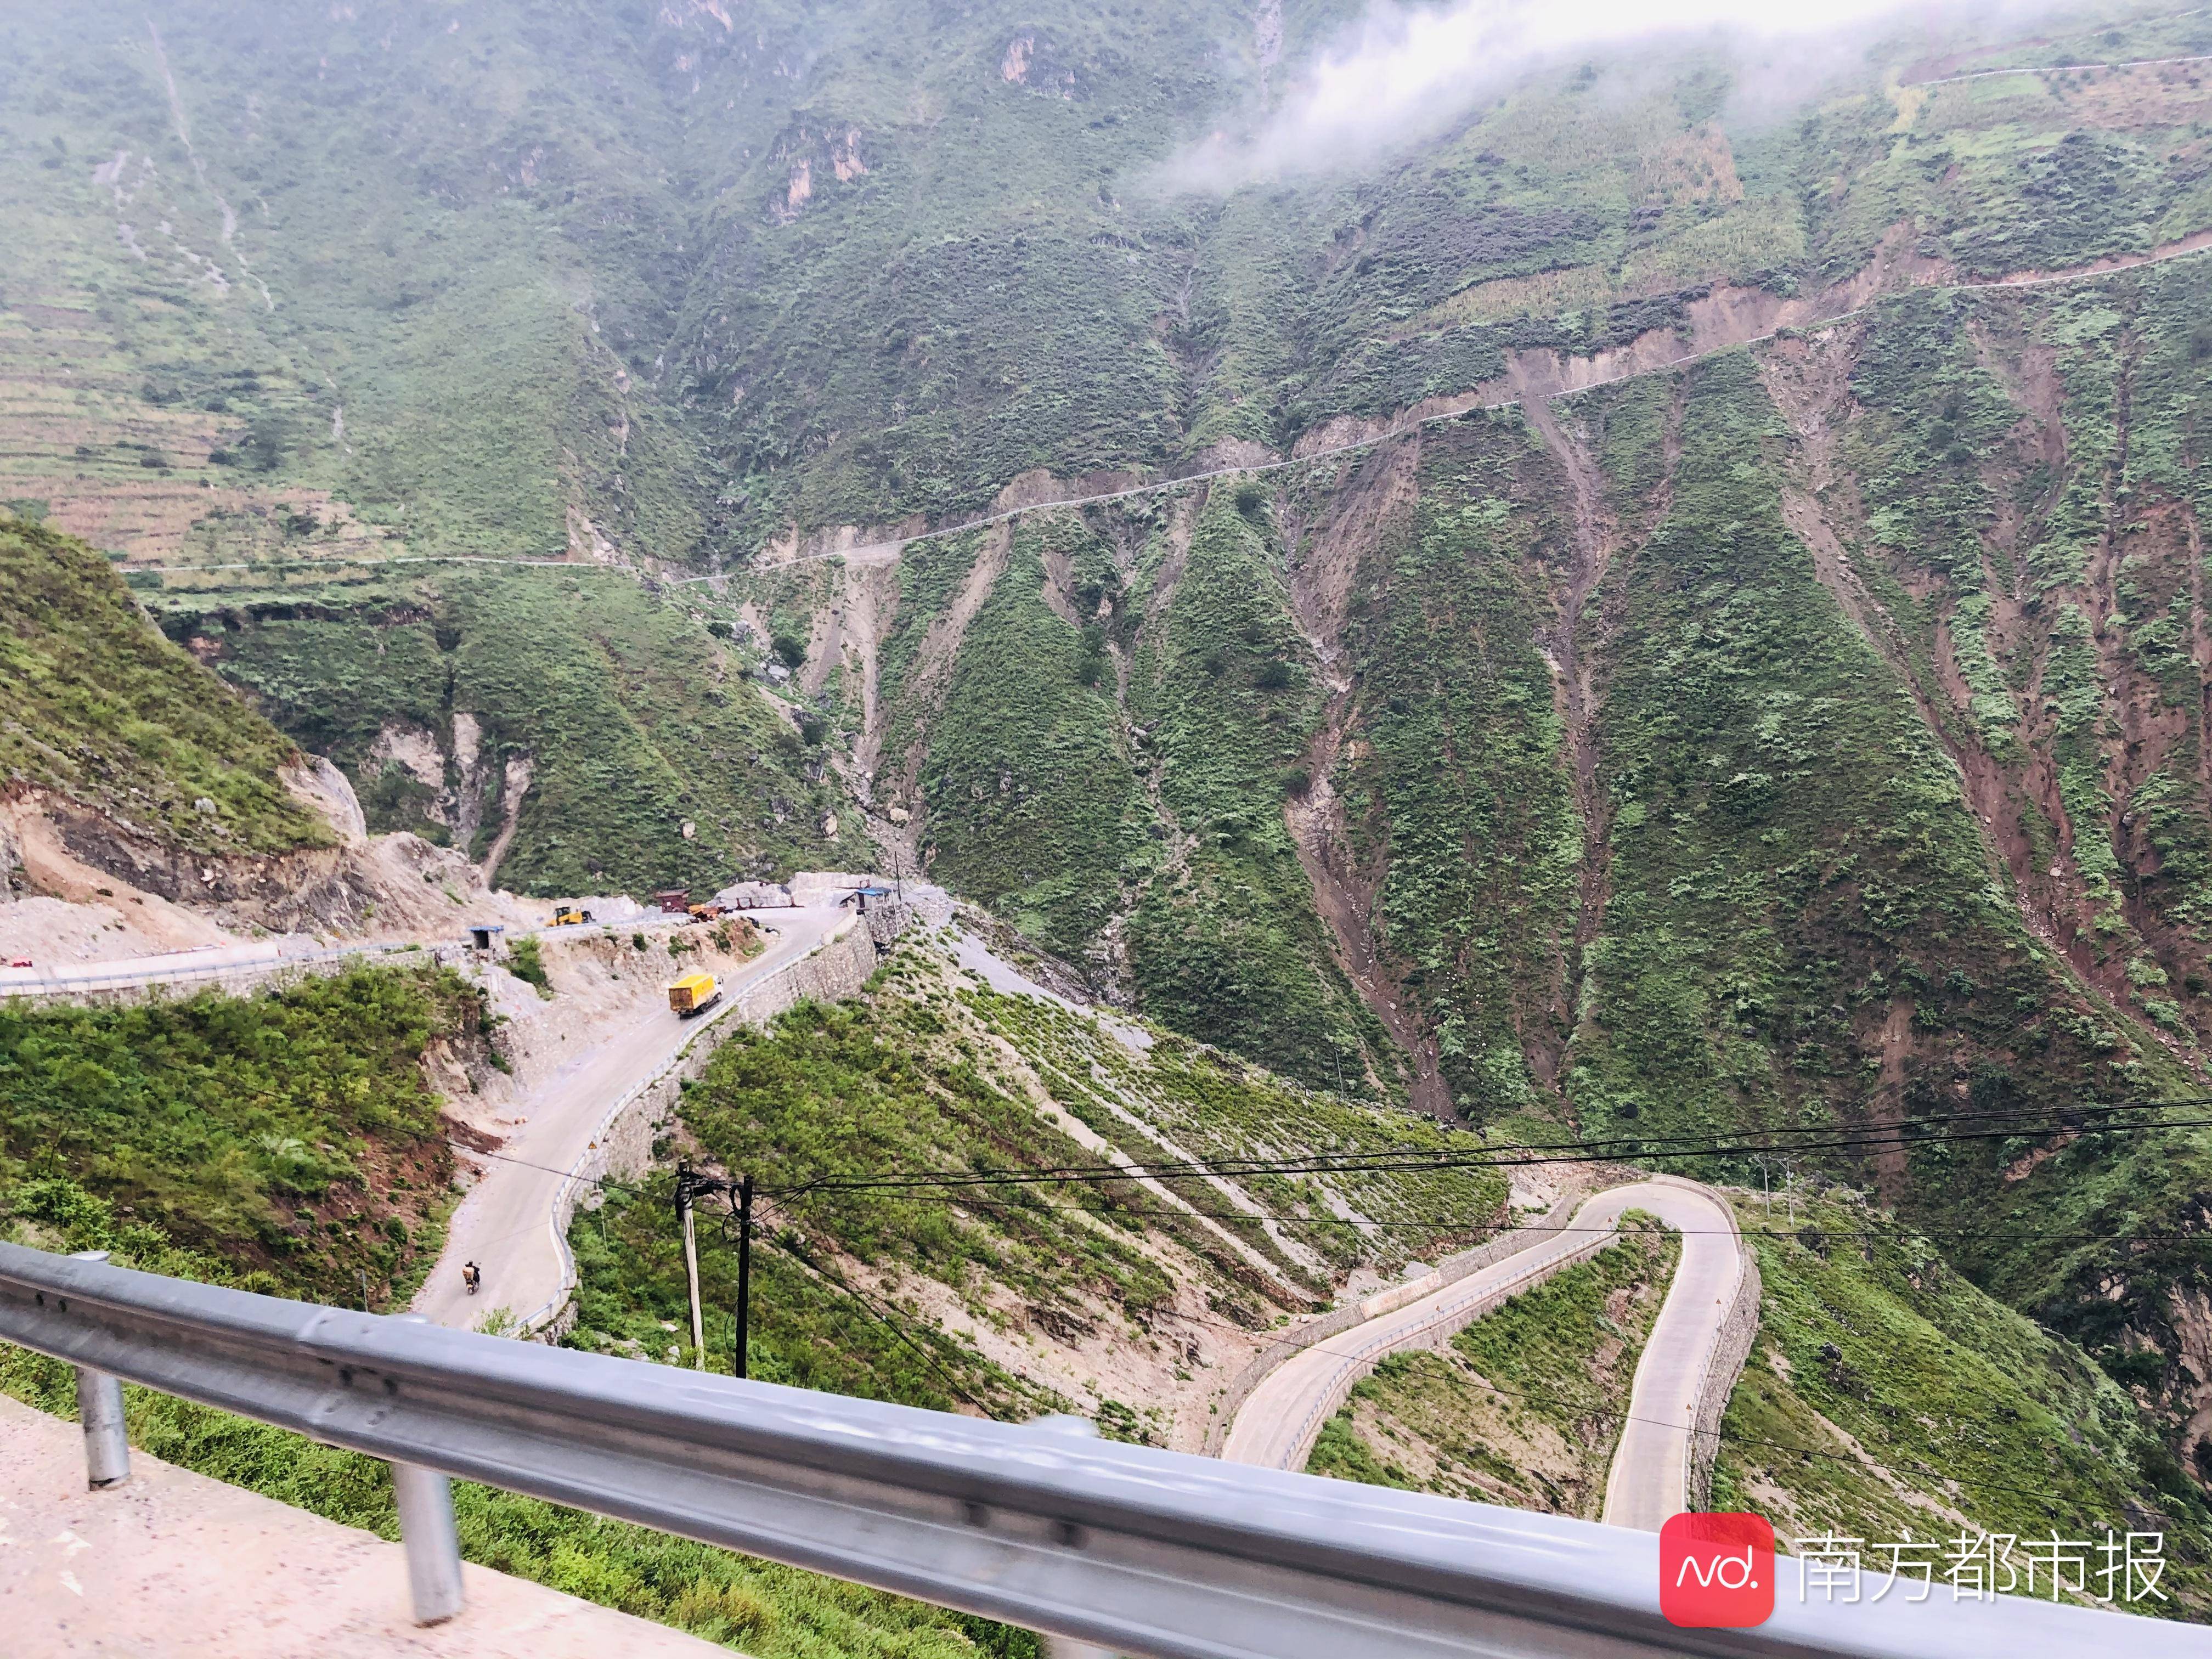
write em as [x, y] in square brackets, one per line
[691, 1263]
[745, 1272]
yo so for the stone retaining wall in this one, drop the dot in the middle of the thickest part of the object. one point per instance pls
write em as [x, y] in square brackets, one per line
[1438, 1332]
[1739, 1328]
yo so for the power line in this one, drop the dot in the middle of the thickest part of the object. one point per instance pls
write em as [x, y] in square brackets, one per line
[546, 1169]
[1094, 1174]
[1586, 1406]
[896, 1326]
[1876, 1138]
[1353, 1163]
[1899, 1233]
[919, 1184]
[1589, 1407]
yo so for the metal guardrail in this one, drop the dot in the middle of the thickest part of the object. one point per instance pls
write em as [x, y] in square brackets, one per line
[1145, 1551]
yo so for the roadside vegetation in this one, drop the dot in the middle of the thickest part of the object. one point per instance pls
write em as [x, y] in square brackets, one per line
[186, 1138]
[286, 1143]
[292, 1135]
[1814, 734]
[526, 961]
[1886, 1395]
[897, 1294]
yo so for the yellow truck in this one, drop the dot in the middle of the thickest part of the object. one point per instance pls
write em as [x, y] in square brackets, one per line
[694, 994]
[569, 916]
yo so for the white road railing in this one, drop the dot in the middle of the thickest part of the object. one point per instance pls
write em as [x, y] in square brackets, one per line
[172, 968]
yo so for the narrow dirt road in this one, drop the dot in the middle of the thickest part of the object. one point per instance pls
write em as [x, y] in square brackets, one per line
[505, 1223]
[1277, 1425]
[235, 958]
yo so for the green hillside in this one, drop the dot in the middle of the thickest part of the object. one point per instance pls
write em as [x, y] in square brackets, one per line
[597, 719]
[1886, 1394]
[168, 1135]
[107, 715]
[1800, 721]
[1524, 1407]
[290, 1136]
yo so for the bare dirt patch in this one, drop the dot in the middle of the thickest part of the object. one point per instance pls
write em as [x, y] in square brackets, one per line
[1358, 523]
[939, 654]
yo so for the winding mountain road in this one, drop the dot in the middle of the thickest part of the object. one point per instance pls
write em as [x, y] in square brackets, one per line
[1650, 1474]
[1278, 1424]
[507, 1223]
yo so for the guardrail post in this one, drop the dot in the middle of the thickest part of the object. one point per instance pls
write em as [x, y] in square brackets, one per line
[1067, 1647]
[425, 1501]
[100, 1409]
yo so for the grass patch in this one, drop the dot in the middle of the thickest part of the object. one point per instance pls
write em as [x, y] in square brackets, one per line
[1954, 1407]
[291, 1132]
[526, 961]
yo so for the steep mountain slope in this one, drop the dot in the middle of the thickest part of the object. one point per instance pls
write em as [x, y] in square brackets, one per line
[655, 277]
[107, 717]
[294, 1137]
[1708, 635]
[569, 734]
[1524, 1407]
[1135, 1302]
[1886, 1390]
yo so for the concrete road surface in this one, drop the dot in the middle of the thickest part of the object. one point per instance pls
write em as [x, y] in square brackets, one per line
[176, 1565]
[1649, 1479]
[244, 958]
[1278, 1423]
[505, 1223]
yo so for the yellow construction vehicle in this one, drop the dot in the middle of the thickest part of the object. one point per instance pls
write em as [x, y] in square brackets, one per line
[568, 916]
[694, 994]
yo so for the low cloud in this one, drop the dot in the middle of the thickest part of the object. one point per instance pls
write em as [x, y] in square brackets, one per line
[1405, 73]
